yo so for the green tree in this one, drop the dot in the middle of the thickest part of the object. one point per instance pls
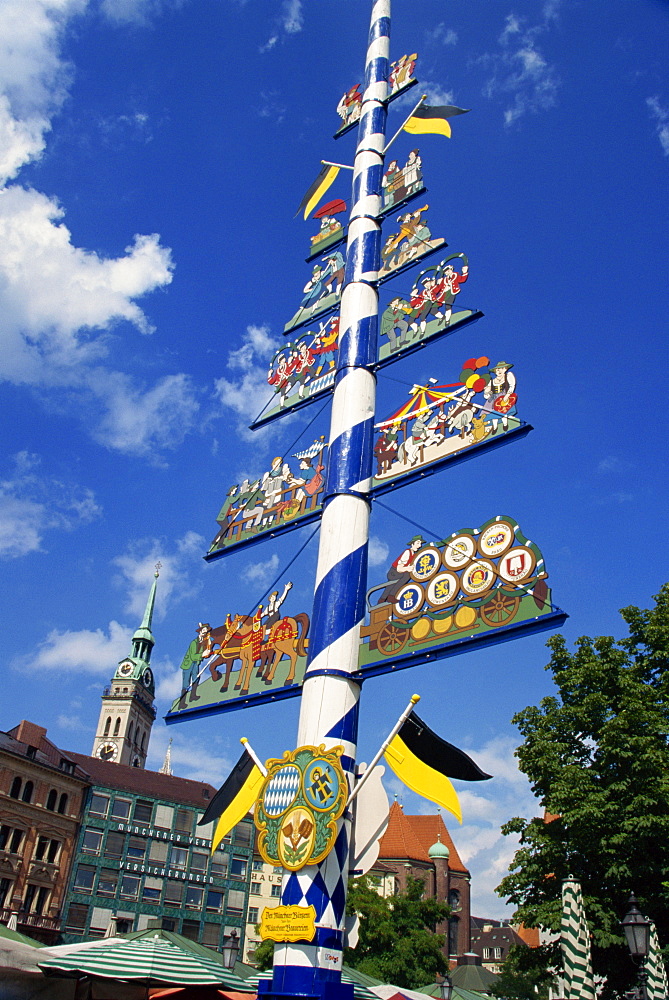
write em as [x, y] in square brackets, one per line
[264, 955]
[397, 940]
[596, 755]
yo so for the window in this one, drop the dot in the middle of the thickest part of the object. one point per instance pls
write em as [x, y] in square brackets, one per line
[278, 870]
[120, 809]
[194, 897]
[198, 861]
[191, 929]
[255, 888]
[83, 881]
[124, 925]
[15, 842]
[453, 928]
[219, 863]
[41, 848]
[168, 924]
[164, 817]
[28, 791]
[129, 887]
[214, 901]
[253, 915]
[137, 848]
[99, 805]
[158, 850]
[244, 834]
[486, 954]
[117, 726]
[143, 812]
[107, 882]
[235, 902]
[454, 899]
[107, 725]
[258, 866]
[184, 822]
[151, 890]
[497, 953]
[238, 866]
[5, 891]
[115, 844]
[173, 893]
[276, 891]
[4, 835]
[211, 935]
[92, 841]
[62, 804]
[76, 918]
[178, 857]
[35, 899]
[15, 790]
[47, 850]
[51, 800]
[130, 733]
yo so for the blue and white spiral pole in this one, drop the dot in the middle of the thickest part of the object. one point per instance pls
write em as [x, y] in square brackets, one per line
[329, 707]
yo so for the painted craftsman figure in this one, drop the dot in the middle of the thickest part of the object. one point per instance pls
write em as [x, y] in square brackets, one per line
[400, 571]
[500, 396]
[201, 648]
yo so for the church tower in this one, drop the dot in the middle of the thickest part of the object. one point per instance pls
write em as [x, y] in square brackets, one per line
[127, 712]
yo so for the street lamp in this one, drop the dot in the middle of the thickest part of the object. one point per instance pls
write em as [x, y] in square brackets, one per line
[637, 935]
[230, 949]
[446, 988]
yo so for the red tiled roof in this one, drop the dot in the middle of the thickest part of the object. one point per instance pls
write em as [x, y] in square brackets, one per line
[412, 836]
[430, 828]
[142, 782]
[530, 935]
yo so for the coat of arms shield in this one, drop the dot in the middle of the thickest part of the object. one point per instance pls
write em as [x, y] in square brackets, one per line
[300, 801]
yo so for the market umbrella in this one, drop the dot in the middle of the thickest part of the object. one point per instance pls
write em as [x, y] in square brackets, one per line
[575, 944]
[151, 961]
[197, 993]
[656, 983]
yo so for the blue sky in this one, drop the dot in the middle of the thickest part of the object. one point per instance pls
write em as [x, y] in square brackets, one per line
[152, 155]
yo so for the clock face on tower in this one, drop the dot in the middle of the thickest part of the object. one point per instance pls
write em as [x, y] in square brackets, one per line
[107, 751]
[147, 678]
[125, 669]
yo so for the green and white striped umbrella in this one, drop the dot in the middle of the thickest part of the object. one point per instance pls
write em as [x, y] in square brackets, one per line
[151, 961]
[575, 944]
[656, 984]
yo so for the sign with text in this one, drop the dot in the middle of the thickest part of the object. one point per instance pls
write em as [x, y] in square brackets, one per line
[288, 923]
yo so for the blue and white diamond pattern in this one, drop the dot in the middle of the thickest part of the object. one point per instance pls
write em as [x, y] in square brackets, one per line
[282, 790]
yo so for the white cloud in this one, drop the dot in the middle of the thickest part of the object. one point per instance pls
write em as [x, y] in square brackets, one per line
[246, 391]
[191, 758]
[32, 504]
[138, 420]
[289, 22]
[262, 572]
[447, 36]
[58, 301]
[520, 71]
[84, 651]
[661, 116]
[137, 567]
[139, 12]
[378, 551]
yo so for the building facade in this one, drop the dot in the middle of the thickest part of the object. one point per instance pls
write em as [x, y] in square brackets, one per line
[264, 891]
[42, 790]
[141, 859]
[421, 847]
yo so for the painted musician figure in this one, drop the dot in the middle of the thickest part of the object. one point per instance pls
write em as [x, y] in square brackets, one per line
[400, 571]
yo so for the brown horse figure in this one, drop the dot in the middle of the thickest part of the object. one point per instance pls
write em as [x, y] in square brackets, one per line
[288, 637]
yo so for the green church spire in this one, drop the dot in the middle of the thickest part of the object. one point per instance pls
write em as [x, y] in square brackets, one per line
[143, 640]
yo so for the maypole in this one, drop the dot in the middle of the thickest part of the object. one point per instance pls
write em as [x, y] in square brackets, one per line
[329, 706]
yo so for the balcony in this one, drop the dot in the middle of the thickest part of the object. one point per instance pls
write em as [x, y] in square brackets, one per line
[31, 920]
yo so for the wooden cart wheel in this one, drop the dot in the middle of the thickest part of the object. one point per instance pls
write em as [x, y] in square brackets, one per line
[500, 609]
[391, 639]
